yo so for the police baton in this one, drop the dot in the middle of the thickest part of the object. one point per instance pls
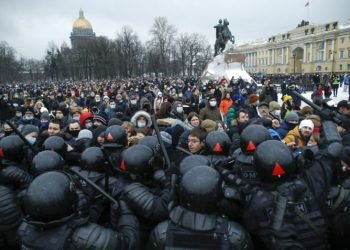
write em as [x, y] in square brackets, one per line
[22, 137]
[91, 183]
[161, 143]
[162, 147]
[183, 150]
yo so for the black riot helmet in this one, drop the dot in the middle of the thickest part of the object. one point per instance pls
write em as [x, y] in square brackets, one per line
[218, 143]
[252, 136]
[192, 161]
[151, 142]
[92, 159]
[50, 197]
[46, 161]
[200, 189]
[57, 144]
[115, 136]
[10, 211]
[274, 161]
[11, 148]
[138, 160]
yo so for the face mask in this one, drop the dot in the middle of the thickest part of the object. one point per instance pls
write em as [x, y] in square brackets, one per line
[15, 105]
[179, 109]
[180, 95]
[44, 124]
[59, 116]
[141, 124]
[133, 102]
[31, 139]
[82, 96]
[19, 114]
[29, 117]
[74, 133]
[88, 125]
[212, 103]
[112, 106]
[76, 117]
[97, 100]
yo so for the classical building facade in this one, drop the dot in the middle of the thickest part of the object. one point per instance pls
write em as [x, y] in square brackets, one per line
[82, 32]
[306, 49]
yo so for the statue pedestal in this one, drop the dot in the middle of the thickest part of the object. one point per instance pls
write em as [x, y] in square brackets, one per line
[226, 65]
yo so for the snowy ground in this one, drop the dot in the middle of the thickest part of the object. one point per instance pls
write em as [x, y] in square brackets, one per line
[341, 96]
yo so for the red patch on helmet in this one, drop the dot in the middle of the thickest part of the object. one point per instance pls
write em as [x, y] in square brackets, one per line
[218, 148]
[122, 165]
[250, 146]
[278, 170]
[2, 153]
[109, 137]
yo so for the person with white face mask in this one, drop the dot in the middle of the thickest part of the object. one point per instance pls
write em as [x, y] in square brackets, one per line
[28, 118]
[211, 110]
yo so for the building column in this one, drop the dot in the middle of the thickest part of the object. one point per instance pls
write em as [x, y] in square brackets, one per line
[324, 50]
[304, 55]
[249, 57]
[282, 55]
[332, 56]
[287, 55]
[310, 52]
[273, 57]
[268, 57]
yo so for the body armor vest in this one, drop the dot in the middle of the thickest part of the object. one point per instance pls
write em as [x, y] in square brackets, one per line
[245, 169]
[34, 237]
[180, 238]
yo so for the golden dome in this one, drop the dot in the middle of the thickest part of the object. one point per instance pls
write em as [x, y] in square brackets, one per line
[81, 22]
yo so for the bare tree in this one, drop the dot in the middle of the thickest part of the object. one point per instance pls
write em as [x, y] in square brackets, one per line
[163, 35]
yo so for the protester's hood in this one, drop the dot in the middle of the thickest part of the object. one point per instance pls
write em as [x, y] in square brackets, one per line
[141, 113]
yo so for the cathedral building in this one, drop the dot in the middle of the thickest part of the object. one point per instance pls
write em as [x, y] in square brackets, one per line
[82, 33]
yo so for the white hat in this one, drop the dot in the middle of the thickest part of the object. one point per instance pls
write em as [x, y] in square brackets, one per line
[306, 123]
[43, 109]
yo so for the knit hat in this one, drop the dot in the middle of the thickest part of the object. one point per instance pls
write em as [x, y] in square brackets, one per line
[45, 116]
[306, 123]
[292, 116]
[286, 98]
[27, 129]
[115, 121]
[274, 106]
[253, 98]
[208, 125]
[345, 155]
[84, 134]
[101, 117]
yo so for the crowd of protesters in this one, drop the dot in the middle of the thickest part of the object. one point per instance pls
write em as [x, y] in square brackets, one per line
[212, 120]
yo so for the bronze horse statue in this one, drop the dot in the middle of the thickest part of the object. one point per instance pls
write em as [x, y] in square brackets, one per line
[222, 38]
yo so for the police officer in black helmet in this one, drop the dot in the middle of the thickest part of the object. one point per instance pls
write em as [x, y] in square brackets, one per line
[286, 212]
[194, 222]
[53, 222]
[146, 196]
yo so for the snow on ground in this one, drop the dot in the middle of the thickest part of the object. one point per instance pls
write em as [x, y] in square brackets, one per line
[341, 96]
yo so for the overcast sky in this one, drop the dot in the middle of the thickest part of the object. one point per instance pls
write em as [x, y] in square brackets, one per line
[29, 26]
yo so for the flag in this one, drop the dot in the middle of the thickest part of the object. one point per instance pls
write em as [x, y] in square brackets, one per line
[307, 4]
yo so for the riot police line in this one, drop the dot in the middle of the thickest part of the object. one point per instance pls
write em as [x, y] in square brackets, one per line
[154, 196]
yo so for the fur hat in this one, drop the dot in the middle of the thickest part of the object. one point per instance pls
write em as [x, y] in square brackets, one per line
[209, 125]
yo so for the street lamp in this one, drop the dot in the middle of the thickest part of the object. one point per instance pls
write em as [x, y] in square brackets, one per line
[294, 55]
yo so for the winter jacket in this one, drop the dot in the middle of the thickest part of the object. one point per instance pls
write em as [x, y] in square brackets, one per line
[295, 136]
